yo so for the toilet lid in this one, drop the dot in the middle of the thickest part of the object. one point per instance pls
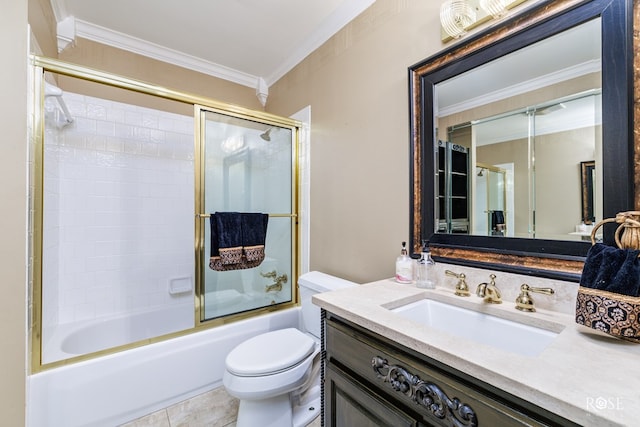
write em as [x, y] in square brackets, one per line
[270, 352]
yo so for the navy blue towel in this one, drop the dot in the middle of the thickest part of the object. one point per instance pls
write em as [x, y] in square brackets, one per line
[611, 269]
[237, 240]
[497, 217]
[254, 228]
[226, 231]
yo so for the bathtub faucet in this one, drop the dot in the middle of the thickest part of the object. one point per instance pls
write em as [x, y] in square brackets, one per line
[278, 281]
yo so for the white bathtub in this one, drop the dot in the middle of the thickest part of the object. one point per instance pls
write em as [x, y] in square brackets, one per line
[75, 339]
[120, 387]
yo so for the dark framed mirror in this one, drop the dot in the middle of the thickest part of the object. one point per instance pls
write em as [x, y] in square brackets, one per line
[556, 258]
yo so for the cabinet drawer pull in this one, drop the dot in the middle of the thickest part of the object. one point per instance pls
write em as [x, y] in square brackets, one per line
[424, 393]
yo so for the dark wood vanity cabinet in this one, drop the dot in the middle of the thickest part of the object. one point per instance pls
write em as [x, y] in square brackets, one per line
[353, 403]
[372, 381]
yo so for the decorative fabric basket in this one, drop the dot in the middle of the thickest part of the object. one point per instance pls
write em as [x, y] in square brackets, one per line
[609, 293]
[612, 313]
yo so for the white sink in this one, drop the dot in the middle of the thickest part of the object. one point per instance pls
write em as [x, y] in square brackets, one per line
[479, 327]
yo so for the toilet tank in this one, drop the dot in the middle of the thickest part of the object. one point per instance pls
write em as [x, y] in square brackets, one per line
[312, 283]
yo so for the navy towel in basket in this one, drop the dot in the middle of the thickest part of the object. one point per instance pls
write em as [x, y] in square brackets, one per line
[613, 270]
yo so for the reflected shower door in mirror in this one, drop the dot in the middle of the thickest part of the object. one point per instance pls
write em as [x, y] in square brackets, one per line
[528, 162]
[493, 201]
[247, 168]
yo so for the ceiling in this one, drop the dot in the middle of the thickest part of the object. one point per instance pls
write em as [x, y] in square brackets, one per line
[242, 41]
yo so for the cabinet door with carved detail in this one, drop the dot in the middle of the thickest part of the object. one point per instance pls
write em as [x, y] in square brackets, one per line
[373, 381]
[349, 403]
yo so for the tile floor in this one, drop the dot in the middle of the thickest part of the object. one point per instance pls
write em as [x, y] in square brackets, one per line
[211, 409]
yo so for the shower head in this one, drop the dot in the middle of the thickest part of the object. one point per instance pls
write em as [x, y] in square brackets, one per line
[481, 173]
[266, 135]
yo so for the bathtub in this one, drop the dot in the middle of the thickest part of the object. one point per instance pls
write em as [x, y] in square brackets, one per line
[120, 387]
[75, 339]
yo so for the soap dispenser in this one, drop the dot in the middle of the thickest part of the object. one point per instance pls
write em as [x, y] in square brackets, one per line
[404, 266]
[424, 268]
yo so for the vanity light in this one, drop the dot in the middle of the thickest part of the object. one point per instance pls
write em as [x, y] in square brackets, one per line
[456, 16]
[495, 8]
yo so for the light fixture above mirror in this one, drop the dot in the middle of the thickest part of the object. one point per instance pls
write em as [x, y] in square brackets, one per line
[495, 8]
[457, 17]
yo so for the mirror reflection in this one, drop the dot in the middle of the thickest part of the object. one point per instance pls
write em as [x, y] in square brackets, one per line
[511, 151]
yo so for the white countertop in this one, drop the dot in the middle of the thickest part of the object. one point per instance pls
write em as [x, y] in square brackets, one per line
[583, 375]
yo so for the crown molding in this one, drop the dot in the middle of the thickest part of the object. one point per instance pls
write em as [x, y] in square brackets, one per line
[526, 86]
[344, 14]
[119, 40]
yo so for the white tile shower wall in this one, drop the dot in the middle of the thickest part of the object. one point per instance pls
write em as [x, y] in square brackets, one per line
[119, 184]
[51, 219]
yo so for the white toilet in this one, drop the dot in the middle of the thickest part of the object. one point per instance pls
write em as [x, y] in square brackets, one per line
[276, 375]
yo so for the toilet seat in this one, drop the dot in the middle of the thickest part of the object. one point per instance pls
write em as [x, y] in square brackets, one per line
[270, 353]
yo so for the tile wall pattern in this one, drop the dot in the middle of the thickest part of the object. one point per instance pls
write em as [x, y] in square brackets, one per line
[118, 208]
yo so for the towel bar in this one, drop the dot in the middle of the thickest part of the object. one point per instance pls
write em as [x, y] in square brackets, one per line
[270, 215]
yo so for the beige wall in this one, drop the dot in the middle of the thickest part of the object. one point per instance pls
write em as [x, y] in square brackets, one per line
[43, 26]
[515, 152]
[357, 87]
[13, 227]
[558, 180]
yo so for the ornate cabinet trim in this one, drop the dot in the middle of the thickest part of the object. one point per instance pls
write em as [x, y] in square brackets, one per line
[424, 393]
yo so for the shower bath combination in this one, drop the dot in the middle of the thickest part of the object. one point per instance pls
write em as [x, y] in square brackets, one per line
[106, 268]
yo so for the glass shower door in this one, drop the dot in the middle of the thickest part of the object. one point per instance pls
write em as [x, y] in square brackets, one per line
[247, 167]
[490, 205]
[496, 202]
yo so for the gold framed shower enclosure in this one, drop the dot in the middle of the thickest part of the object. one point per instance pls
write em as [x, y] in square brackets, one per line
[200, 106]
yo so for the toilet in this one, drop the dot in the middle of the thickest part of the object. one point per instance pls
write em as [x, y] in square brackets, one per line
[276, 375]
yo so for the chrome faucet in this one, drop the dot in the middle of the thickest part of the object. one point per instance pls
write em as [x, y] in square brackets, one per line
[489, 291]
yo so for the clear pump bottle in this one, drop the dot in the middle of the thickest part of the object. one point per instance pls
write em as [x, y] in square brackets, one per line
[404, 266]
[425, 269]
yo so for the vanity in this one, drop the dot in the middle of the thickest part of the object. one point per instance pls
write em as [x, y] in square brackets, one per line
[398, 355]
